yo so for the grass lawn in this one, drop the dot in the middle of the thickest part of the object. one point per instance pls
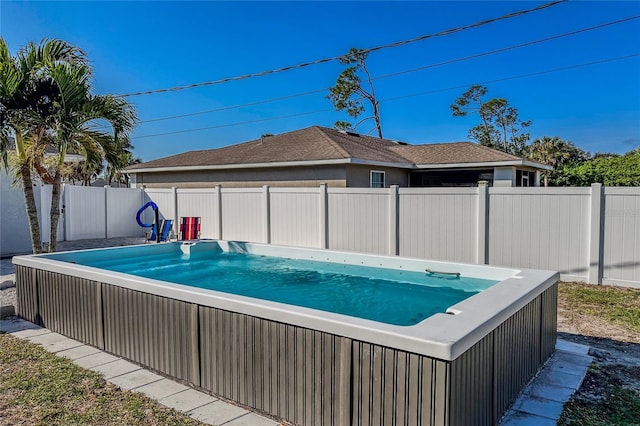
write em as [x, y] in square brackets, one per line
[616, 305]
[609, 403]
[610, 392]
[39, 388]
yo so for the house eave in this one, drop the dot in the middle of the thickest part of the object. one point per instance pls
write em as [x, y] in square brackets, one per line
[273, 164]
[526, 163]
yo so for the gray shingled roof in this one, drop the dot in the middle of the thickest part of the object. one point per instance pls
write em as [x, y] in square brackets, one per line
[309, 144]
[324, 144]
[450, 153]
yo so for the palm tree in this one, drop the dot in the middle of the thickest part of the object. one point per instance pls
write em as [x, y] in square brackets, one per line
[554, 152]
[74, 128]
[27, 96]
[115, 171]
[46, 104]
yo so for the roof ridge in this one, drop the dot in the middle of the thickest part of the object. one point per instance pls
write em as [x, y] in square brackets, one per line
[486, 148]
[436, 143]
[334, 144]
[361, 135]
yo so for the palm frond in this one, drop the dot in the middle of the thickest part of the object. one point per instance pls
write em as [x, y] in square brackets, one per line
[34, 56]
[73, 84]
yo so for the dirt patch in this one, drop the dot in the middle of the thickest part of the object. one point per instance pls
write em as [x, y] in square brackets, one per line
[609, 395]
[610, 392]
[590, 326]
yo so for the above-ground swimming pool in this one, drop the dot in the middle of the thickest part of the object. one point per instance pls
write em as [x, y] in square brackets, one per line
[392, 296]
[310, 336]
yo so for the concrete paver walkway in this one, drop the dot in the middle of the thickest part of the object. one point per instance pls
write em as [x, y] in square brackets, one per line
[129, 376]
[542, 401]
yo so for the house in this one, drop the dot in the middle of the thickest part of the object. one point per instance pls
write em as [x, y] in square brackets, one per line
[315, 155]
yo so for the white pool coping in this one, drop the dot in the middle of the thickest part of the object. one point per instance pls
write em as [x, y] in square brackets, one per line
[442, 336]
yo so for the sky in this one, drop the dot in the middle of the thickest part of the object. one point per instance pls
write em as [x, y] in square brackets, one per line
[583, 88]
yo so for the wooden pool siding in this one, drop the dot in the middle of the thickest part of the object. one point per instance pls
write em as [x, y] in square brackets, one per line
[301, 375]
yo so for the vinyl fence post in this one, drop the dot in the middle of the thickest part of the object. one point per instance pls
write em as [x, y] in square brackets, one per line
[266, 215]
[595, 238]
[63, 198]
[218, 202]
[394, 224]
[175, 210]
[483, 220]
[106, 212]
[143, 198]
[323, 217]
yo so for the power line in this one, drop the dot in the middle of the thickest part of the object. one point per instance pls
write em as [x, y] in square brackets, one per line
[264, 101]
[434, 65]
[335, 58]
[505, 49]
[499, 80]
[234, 124]
[397, 97]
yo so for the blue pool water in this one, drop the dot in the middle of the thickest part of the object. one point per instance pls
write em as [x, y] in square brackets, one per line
[384, 295]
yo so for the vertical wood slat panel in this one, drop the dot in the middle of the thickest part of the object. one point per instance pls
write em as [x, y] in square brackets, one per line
[297, 374]
[549, 321]
[517, 353]
[129, 315]
[71, 306]
[514, 352]
[392, 387]
[27, 294]
[472, 379]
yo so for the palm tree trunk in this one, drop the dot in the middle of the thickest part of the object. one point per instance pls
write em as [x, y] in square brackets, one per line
[32, 212]
[55, 211]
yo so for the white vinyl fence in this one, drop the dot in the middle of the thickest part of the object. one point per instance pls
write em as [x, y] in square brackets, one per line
[14, 226]
[86, 213]
[589, 234]
[90, 212]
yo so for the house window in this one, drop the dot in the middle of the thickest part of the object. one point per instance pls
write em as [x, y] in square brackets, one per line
[525, 178]
[377, 179]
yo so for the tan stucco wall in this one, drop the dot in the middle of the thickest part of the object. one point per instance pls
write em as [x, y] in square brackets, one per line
[506, 176]
[340, 175]
[358, 176]
[335, 176]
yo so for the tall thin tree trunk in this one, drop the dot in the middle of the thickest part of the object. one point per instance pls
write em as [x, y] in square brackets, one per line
[504, 133]
[374, 102]
[55, 211]
[376, 115]
[32, 212]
